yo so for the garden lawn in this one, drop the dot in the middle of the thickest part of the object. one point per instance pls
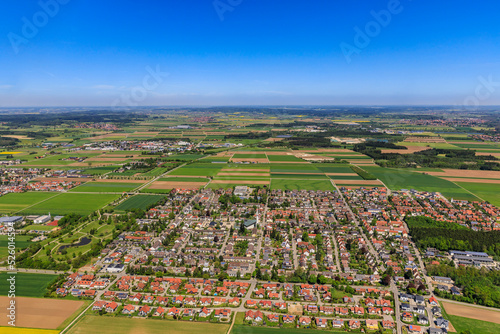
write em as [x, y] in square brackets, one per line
[66, 203]
[27, 285]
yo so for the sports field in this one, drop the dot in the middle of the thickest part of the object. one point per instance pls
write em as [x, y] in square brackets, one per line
[138, 202]
[105, 187]
[105, 325]
[71, 203]
[27, 284]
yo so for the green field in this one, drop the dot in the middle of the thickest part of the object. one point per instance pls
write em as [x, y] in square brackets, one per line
[294, 168]
[22, 241]
[293, 184]
[345, 177]
[198, 169]
[332, 168]
[283, 158]
[487, 191]
[99, 170]
[105, 325]
[105, 187]
[27, 285]
[183, 179]
[249, 156]
[156, 171]
[244, 329]
[299, 176]
[14, 202]
[184, 157]
[474, 326]
[138, 202]
[397, 179]
[66, 203]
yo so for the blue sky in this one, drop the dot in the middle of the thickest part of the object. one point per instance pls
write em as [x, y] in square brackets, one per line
[252, 52]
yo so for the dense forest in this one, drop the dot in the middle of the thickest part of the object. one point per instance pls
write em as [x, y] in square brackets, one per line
[450, 236]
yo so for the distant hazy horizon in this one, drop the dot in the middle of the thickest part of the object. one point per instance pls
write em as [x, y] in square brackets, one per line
[351, 52]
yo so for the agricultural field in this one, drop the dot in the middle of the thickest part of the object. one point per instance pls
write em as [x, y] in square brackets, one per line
[475, 320]
[485, 191]
[40, 313]
[105, 187]
[27, 285]
[22, 241]
[14, 202]
[65, 203]
[198, 169]
[99, 170]
[279, 158]
[397, 179]
[300, 184]
[245, 329]
[18, 330]
[104, 325]
[138, 202]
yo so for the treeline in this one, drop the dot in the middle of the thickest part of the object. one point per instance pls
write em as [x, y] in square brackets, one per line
[7, 141]
[434, 158]
[446, 239]
[363, 173]
[428, 222]
[479, 286]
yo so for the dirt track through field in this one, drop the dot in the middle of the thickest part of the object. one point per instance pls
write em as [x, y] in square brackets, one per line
[39, 312]
[472, 312]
